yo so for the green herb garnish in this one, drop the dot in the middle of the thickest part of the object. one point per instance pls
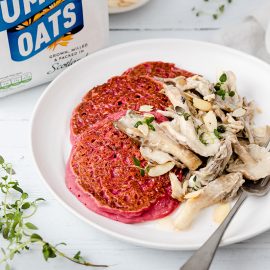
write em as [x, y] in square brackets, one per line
[217, 134]
[138, 124]
[18, 232]
[221, 129]
[202, 140]
[223, 78]
[221, 93]
[137, 163]
[231, 93]
[146, 121]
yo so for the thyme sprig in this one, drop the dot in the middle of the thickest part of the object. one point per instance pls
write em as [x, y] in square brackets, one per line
[18, 232]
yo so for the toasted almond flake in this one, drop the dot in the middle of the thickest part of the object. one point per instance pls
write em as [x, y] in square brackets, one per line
[181, 81]
[239, 112]
[146, 108]
[220, 212]
[148, 115]
[193, 194]
[210, 121]
[155, 155]
[177, 189]
[202, 104]
[143, 129]
[161, 169]
[209, 97]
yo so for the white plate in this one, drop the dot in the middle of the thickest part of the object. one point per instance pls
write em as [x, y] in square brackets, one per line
[50, 132]
[139, 3]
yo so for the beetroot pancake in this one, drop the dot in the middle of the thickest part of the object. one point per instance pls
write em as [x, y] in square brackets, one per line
[118, 94]
[102, 175]
[157, 69]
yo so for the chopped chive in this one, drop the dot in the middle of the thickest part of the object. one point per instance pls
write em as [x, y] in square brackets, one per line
[215, 16]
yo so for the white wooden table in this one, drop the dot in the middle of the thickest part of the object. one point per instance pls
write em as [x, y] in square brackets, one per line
[160, 18]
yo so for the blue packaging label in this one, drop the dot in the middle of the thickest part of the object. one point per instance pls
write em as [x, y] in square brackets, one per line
[60, 18]
[13, 12]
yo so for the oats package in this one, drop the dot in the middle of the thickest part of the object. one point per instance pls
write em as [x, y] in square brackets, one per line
[40, 38]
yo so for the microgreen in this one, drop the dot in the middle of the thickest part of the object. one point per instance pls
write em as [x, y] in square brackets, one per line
[18, 232]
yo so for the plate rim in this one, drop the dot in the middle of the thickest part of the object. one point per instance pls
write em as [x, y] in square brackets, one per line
[129, 239]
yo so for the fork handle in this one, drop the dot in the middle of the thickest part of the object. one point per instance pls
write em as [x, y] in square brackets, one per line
[203, 257]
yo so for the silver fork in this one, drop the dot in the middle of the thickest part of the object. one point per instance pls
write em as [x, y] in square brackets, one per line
[203, 257]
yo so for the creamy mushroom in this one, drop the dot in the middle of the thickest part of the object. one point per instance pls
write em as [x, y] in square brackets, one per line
[221, 189]
[216, 164]
[253, 162]
[156, 139]
[182, 127]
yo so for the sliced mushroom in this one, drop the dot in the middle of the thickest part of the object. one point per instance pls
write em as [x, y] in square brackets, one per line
[216, 164]
[261, 135]
[182, 127]
[221, 189]
[253, 162]
[157, 139]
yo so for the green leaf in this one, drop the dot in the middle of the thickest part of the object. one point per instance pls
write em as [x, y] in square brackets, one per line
[202, 140]
[24, 196]
[217, 134]
[26, 205]
[17, 188]
[77, 256]
[5, 233]
[35, 238]
[149, 120]
[136, 162]
[151, 127]
[223, 78]
[221, 93]
[142, 172]
[221, 8]
[40, 200]
[2, 161]
[138, 124]
[48, 251]
[31, 226]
